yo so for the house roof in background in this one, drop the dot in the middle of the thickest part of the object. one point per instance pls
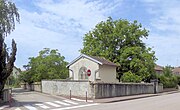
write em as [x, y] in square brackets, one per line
[103, 61]
[176, 70]
[99, 60]
[17, 69]
[158, 68]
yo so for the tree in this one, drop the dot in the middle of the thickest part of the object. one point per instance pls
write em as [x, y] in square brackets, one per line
[49, 64]
[8, 15]
[168, 79]
[130, 77]
[120, 41]
[13, 81]
[26, 77]
[167, 71]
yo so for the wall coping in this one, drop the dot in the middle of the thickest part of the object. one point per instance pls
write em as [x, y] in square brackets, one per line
[100, 83]
[65, 80]
[6, 89]
[120, 83]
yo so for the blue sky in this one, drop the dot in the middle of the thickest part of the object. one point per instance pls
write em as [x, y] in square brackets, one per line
[61, 24]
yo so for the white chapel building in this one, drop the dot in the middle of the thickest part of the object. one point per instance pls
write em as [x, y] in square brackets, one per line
[91, 68]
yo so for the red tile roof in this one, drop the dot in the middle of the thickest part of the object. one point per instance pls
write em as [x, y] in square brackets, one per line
[158, 68]
[103, 61]
[176, 70]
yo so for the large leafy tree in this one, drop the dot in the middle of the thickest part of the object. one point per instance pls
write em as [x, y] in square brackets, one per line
[8, 16]
[120, 41]
[49, 64]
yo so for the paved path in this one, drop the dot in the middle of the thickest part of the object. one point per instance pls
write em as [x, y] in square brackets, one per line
[29, 100]
[163, 102]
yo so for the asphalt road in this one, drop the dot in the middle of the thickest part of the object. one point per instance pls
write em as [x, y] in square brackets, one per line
[30, 100]
[25, 100]
[164, 102]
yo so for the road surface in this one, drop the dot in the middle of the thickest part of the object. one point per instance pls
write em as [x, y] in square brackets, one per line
[30, 100]
[163, 102]
[26, 100]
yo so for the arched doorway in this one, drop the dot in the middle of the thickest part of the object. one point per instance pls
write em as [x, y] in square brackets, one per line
[82, 73]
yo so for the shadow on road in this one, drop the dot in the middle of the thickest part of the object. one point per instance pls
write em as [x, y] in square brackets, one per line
[21, 93]
[19, 90]
[16, 103]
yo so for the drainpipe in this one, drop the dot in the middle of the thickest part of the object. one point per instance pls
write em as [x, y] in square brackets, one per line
[72, 73]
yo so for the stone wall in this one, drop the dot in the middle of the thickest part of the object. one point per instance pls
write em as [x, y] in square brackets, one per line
[63, 87]
[160, 88]
[104, 90]
[37, 86]
[32, 87]
[96, 90]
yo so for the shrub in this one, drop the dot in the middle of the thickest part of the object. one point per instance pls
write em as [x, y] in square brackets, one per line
[178, 80]
[13, 82]
[130, 77]
[168, 82]
[26, 77]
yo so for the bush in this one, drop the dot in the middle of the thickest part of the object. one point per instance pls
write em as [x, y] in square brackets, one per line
[130, 77]
[26, 77]
[17, 83]
[168, 79]
[168, 82]
[13, 82]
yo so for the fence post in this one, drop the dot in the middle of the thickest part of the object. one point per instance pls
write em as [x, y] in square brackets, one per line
[86, 96]
[70, 94]
[155, 84]
[10, 96]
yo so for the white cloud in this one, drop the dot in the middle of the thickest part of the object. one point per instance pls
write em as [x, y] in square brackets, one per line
[58, 25]
[73, 15]
[166, 15]
[166, 48]
[165, 30]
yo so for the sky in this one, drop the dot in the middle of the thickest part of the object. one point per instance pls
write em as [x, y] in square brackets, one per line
[61, 24]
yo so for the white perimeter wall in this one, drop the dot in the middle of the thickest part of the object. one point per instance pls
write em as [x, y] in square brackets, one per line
[96, 90]
[60, 87]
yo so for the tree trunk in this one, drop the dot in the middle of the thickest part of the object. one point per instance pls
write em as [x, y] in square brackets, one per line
[2, 83]
[6, 62]
[1, 65]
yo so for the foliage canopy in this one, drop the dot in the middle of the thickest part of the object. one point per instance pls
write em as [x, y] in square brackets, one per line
[8, 15]
[168, 79]
[130, 77]
[121, 42]
[49, 64]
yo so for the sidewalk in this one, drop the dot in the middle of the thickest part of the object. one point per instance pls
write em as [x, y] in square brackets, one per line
[124, 98]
